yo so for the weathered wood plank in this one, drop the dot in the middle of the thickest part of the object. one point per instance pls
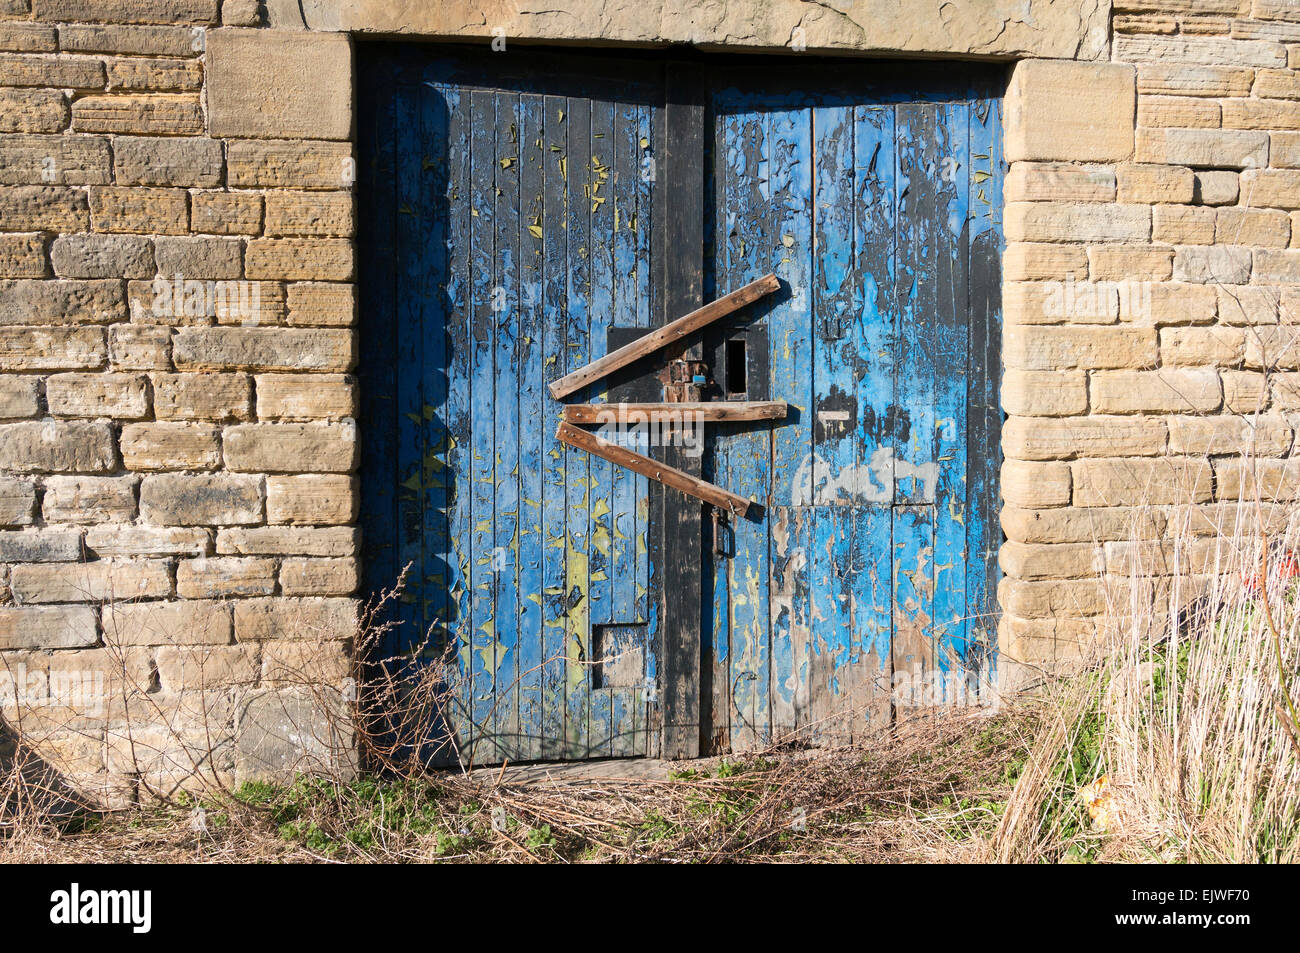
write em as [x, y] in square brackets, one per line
[677, 330]
[790, 333]
[914, 440]
[622, 197]
[835, 352]
[555, 291]
[835, 411]
[914, 463]
[459, 318]
[576, 165]
[913, 609]
[645, 608]
[670, 414]
[600, 494]
[506, 425]
[622, 200]
[657, 545]
[791, 619]
[831, 618]
[532, 407]
[435, 433]
[875, 333]
[681, 231]
[951, 229]
[723, 214]
[654, 469]
[482, 270]
[984, 413]
[748, 245]
[871, 595]
[411, 287]
[378, 367]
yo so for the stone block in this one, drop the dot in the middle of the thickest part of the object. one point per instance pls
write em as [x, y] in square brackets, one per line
[305, 87]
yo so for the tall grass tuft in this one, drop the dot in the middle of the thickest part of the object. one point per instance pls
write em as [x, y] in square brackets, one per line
[1176, 741]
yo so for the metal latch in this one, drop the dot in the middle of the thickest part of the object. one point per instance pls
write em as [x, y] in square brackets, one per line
[720, 524]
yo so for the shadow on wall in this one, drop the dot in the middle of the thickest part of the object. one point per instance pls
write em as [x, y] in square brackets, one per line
[31, 789]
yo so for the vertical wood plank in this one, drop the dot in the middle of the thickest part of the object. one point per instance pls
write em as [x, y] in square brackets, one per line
[645, 609]
[913, 609]
[949, 264]
[831, 578]
[726, 180]
[835, 411]
[378, 368]
[532, 157]
[790, 337]
[915, 469]
[621, 195]
[835, 353]
[874, 302]
[482, 374]
[506, 472]
[458, 301]
[554, 350]
[506, 421]
[871, 593]
[625, 725]
[914, 444]
[749, 449]
[434, 314]
[600, 496]
[983, 531]
[875, 336]
[576, 165]
[681, 175]
[409, 293]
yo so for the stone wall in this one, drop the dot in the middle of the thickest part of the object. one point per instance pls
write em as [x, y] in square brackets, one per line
[177, 443]
[177, 504]
[1150, 283]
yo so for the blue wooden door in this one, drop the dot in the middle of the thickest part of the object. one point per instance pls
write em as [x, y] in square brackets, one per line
[507, 236]
[513, 229]
[864, 583]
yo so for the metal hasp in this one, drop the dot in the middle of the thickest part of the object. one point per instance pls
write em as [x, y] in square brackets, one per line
[699, 318]
[674, 331]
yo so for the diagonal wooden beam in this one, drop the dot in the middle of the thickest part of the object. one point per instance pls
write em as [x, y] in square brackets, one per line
[668, 476]
[696, 410]
[658, 338]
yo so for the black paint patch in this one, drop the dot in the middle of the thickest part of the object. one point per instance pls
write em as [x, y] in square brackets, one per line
[837, 414]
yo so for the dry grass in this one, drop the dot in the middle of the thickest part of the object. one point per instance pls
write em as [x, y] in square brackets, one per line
[931, 792]
[1176, 743]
